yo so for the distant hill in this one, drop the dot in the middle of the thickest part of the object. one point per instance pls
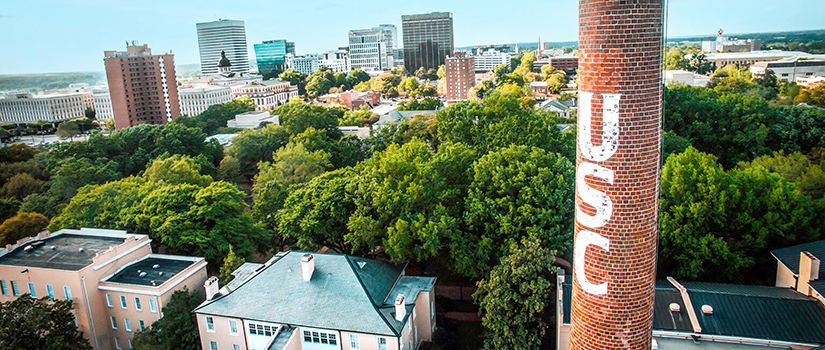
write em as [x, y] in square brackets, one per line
[48, 81]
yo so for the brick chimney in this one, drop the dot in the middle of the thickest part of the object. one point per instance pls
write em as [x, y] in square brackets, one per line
[211, 286]
[400, 308]
[808, 271]
[307, 266]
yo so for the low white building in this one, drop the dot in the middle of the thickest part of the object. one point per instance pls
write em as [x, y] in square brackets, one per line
[267, 94]
[336, 60]
[791, 68]
[685, 77]
[810, 80]
[195, 100]
[103, 104]
[252, 120]
[488, 60]
[27, 108]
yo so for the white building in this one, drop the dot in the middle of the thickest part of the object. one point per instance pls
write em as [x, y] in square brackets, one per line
[194, 101]
[225, 34]
[748, 58]
[373, 48]
[103, 104]
[790, 69]
[27, 108]
[810, 80]
[488, 60]
[336, 60]
[252, 120]
[267, 94]
[685, 77]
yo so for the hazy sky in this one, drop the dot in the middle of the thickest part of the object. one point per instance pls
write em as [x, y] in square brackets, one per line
[70, 35]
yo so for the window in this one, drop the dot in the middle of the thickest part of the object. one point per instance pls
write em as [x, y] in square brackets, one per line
[3, 287]
[114, 322]
[117, 343]
[67, 292]
[382, 343]
[152, 306]
[32, 292]
[213, 345]
[332, 339]
[123, 301]
[353, 341]
[137, 304]
[236, 347]
[50, 291]
[130, 343]
[316, 338]
[127, 324]
[307, 337]
[108, 300]
[210, 324]
[233, 327]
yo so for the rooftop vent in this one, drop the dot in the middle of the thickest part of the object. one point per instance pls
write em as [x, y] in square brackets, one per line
[53, 247]
[153, 282]
[155, 266]
[28, 248]
[307, 266]
[142, 274]
[674, 307]
[707, 310]
[361, 264]
[160, 273]
[81, 249]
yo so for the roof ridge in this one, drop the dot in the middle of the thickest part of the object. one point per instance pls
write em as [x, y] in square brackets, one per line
[364, 288]
[797, 296]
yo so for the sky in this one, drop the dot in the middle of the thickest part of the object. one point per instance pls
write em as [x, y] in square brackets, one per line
[41, 36]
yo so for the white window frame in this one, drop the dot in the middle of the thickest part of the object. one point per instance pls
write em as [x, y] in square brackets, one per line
[381, 346]
[15, 289]
[127, 324]
[108, 300]
[3, 287]
[32, 291]
[67, 292]
[50, 291]
[213, 345]
[130, 344]
[210, 324]
[114, 322]
[137, 304]
[236, 347]
[353, 341]
[117, 343]
[233, 327]
[141, 325]
[123, 301]
[152, 306]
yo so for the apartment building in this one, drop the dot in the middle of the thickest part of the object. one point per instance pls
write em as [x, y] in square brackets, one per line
[318, 301]
[26, 108]
[460, 70]
[117, 285]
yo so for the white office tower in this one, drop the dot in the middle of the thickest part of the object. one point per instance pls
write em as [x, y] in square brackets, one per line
[227, 35]
[373, 49]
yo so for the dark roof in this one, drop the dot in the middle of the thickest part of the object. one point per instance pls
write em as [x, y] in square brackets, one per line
[151, 271]
[790, 256]
[224, 62]
[242, 273]
[758, 312]
[61, 251]
[283, 337]
[345, 293]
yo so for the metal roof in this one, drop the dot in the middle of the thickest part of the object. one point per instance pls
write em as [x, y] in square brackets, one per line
[790, 256]
[345, 293]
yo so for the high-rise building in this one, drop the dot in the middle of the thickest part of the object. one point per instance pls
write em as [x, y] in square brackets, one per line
[461, 75]
[142, 86]
[270, 56]
[227, 35]
[428, 39]
[373, 49]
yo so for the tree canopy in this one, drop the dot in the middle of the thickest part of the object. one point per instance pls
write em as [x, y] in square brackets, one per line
[39, 324]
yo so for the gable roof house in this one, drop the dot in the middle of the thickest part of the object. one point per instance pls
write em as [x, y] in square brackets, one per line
[300, 300]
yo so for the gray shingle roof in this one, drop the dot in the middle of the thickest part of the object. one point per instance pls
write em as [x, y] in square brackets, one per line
[790, 256]
[345, 293]
[242, 273]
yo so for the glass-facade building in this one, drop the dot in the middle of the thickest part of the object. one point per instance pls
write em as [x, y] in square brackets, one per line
[270, 56]
[428, 39]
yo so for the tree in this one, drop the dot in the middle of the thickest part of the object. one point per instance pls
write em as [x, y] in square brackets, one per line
[293, 164]
[231, 263]
[18, 152]
[357, 76]
[359, 117]
[442, 72]
[257, 145]
[177, 169]
[68, 130]
[426, 104]
[39, 324]
[89, 113]
[795, 168]
[297, 116]
[514, 301]
[812, 95]
[20, 226]
[292, 76]
[20, 186]
[216, 116]
[178, 328]
[8, 208]
[675, 59]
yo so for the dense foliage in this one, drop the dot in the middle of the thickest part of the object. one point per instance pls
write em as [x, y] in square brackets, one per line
[39, 324]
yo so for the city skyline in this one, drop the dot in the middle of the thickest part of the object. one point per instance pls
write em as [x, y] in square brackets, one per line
[70, 36]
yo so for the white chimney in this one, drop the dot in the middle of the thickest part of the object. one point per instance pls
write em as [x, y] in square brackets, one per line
[400, 308]
[211, 286]
[808, 271]
[307, 266]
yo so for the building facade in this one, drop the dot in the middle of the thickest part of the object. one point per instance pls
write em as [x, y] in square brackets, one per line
[316, 301]
[461, 76]
[336, 60]
[117, 285]
[103, 104]
[267, 94]
[270, 56]
[25, 108]
[196, 100]
[373, 48]
[142, 86]
[486, 61]
[428, 39]
[225, 34]
[791, 68]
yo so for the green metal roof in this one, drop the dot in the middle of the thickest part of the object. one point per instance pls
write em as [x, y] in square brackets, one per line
[345, 293]
[790, 256]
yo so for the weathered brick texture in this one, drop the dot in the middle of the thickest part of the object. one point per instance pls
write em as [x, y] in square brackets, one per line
[620, 48]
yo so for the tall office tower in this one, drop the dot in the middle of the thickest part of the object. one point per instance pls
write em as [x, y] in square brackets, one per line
[617, 173]
[227, 35]
[373, 48]
[270, 56]
[142, 86]
[428, 39]
[461, 75]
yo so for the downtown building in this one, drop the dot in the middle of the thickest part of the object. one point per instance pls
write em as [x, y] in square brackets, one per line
[460, 70]
[223, 35]
[26, 108]
[103, 104]
[373, 49]
[486, 61]
[117, 285]
[195, 100]
[336, 60]
[270, 56]
[142, 86]
[428, 39]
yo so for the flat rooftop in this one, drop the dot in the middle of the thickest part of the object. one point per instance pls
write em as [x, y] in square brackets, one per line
[61, 252]
[152, 271]
[667, 343]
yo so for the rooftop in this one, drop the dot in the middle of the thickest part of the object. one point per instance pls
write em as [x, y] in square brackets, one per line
[675, 343]
[345, 293]
[154, 270]
[65, 250]
[789, 256]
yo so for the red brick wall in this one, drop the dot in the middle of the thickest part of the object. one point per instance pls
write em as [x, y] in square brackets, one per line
[620, 46]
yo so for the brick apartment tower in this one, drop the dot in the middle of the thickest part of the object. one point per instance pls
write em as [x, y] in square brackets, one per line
[142, 86]
[461, 76]
[617, 173]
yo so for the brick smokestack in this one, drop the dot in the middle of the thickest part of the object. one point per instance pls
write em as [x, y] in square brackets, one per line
[617, 173]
